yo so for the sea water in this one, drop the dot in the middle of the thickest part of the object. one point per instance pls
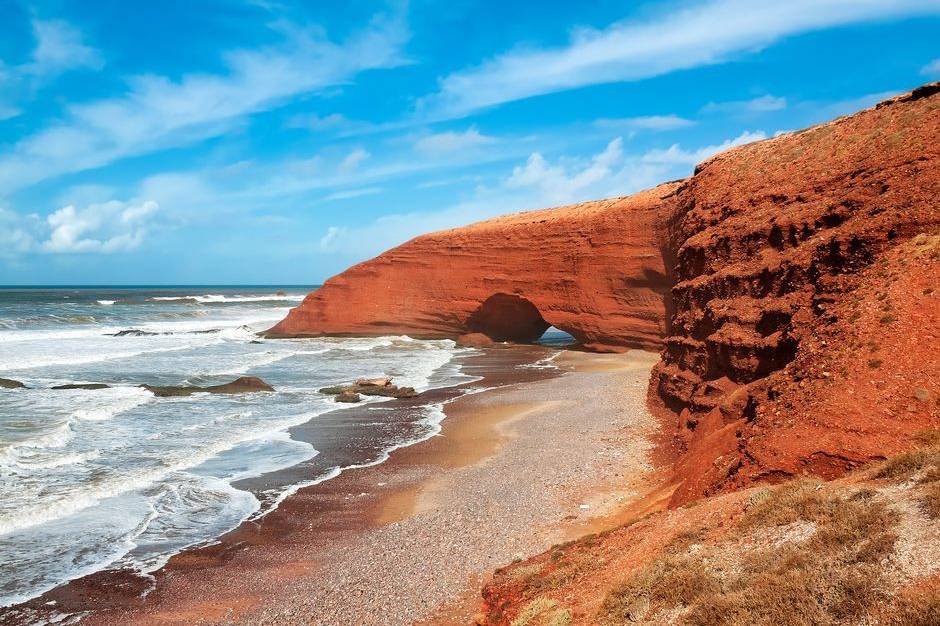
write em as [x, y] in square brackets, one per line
[118, 478]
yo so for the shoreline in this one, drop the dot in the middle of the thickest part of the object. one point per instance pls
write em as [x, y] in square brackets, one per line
[323, 537]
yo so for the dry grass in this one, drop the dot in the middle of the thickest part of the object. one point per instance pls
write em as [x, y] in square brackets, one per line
[904, 466]
[925, 460]
[832, 576]
[542, 611]
[803, 553]
[915, 607]
[532, 610]
[930, 500]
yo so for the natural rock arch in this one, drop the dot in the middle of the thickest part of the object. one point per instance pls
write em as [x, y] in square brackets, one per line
[507, 317]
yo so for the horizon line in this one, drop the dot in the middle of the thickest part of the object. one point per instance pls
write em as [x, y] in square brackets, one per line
[150, 285]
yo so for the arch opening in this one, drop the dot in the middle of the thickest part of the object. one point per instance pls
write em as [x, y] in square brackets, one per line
[506, 317]
[557, 338]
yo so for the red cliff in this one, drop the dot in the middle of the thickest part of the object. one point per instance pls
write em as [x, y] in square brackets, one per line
[804, 337]
[594, 270]
[794, 281]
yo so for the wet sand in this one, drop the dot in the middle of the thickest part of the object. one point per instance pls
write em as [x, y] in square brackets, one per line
[546, 456]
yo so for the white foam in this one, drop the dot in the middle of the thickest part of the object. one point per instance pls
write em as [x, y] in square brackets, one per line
[113, 402]
[95, 453]
[47, 359]
[56, 438]
[34, 462]
[42, 512]
[542, 364]
[213, 298]
[251, 361]
[106, 302]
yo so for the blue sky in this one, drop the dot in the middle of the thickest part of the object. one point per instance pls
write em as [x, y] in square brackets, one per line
[259, 141]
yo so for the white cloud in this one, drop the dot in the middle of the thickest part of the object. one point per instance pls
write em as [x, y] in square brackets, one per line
[931, 69]
[763, 104]
[354, 159]
[531, 185]
[538, 182]
[676, 155]
[353, 193]
[328, 240]
[59, 47]
[157, 112]
[645, 122]
[16, 236]
[703, 34]
[450, 141]
[103, 228]
[557, 183]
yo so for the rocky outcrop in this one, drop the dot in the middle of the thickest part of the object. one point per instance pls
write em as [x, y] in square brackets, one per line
[82, 386]
[244, 384]
[348, 397]
[595, 270]
[7, 383]
[805, 315]
[475, 340]
[369, 387]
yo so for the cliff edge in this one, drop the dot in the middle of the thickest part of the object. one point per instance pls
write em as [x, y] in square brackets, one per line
[804, 337]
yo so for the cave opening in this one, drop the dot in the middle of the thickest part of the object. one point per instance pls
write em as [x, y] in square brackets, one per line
[508, 317]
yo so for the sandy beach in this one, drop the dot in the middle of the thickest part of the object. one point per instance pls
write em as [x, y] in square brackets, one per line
[515, 470]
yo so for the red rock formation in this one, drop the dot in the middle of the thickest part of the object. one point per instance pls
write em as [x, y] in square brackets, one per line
[804, 314]
[803, 321]
[594, 270]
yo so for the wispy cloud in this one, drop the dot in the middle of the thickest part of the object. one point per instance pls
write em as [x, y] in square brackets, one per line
[644, 122]
[704, 34]
[675, 154]
[354, 159]
[931, 69]
[17, 233]
[451, 141]
[353, 193]
[157, 112]
[826, 110]
[315, 122]
[59, 47]
[328, 241]
[538, 182]
[763, 104]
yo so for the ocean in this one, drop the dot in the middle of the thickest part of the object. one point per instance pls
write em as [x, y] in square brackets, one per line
[119, 478]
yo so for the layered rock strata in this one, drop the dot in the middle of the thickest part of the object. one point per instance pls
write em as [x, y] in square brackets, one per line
[805, 318]
[595, 270]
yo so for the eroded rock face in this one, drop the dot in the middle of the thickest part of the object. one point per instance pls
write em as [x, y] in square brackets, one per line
[594, 270]
[795, 269]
